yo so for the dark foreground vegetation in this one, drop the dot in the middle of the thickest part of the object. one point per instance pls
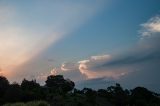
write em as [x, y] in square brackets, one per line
[61, 92]
[32, 103]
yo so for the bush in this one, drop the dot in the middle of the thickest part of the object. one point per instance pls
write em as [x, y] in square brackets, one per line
[33, 103]
[15, 104]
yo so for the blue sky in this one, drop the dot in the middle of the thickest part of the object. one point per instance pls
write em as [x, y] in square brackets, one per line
[114, 28]
[85, 40]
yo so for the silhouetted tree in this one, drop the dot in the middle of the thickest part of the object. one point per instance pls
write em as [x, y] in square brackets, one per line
[143, 97]
[29, 85]
[91, 95]
[56, 92]
[59, 83]
[31, 89]
[4, 84]
[77, 91]
[14, 93]
[117, 95]
[103, 93]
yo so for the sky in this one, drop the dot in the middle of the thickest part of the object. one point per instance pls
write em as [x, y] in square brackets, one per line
[95, 43]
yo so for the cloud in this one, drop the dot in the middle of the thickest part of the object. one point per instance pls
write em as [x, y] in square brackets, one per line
[92, 70]
[138, 65]
[151, 27]
[142, 62]
[134, 58]
[27, 32]
[23, 36]
[101, 57]
[67, 66]
[87, 69]
[19, 43]
[94, 60]
[71, 70]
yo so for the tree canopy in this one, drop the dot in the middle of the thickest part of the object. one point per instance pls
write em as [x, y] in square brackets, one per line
[57, 92]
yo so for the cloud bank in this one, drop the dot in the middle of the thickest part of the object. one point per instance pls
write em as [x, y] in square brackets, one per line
[138, 65]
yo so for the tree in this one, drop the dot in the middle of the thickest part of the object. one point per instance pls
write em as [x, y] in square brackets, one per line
[91, 95]
[59, 83]
[142, 96]
[14, 93]
[4, 84]
[32, 90]
[117, 95]
[29, 85]
[102, 93]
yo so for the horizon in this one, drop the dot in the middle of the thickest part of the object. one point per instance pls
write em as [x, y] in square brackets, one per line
[91, 42]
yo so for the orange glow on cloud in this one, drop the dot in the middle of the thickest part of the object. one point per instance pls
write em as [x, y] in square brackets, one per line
[16, 51]
[86, 67]
[21, 42]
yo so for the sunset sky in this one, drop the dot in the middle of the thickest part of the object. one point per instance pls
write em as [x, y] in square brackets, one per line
[95, 43]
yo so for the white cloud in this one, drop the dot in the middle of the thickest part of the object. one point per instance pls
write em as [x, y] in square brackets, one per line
[89, 68]
[101, 57]
[68, 66]
[151, 27]
[54, 71]
[83, 61]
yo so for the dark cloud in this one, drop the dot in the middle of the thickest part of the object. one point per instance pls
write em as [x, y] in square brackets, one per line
[131, 59]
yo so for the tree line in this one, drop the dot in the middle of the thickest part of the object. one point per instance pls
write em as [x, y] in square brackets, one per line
[58, 91]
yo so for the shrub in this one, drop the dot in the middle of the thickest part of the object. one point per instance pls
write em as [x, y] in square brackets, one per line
[33, 103]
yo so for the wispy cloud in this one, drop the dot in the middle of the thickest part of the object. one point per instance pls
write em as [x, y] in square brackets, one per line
[23, 36]
[151, 27]
[67, 66]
